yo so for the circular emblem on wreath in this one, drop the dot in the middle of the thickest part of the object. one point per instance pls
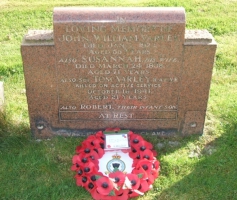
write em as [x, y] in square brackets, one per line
[116, 164]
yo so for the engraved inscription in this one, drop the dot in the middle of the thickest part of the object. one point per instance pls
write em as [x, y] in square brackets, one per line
[118, 71]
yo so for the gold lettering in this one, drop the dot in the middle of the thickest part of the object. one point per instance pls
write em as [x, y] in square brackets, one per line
[91, 28]
[108, 59]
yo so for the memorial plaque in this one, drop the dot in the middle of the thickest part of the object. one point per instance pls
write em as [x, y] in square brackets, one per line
[133, 68]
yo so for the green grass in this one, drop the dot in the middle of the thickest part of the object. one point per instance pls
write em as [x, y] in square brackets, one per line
[41, 170]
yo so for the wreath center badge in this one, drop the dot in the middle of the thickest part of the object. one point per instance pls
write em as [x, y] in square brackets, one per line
[115, 165]
[113, 161]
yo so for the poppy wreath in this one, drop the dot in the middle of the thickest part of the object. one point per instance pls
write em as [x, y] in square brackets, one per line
[116, 185]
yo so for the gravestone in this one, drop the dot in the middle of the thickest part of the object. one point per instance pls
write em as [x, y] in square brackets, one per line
[132, 68]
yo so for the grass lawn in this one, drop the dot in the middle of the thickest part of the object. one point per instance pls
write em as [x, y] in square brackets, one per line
[195, 167]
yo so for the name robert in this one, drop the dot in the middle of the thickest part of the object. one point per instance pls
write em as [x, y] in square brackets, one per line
[95, 107]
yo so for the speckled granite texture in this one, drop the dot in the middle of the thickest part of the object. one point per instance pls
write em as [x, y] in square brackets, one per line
[133, 68]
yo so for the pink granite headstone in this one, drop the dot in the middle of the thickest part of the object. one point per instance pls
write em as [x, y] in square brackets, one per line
[133, 68]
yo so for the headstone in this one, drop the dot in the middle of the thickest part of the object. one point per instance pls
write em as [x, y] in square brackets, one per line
[132, 68]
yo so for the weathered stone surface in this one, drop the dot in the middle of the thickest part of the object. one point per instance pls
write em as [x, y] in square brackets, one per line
[133, 68]
[197, 36]
[39, 35]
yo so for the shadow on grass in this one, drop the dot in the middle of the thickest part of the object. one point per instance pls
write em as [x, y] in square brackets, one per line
[36, 169]
[12, 135]
[215, 175]
[41, 170]
[170, 144]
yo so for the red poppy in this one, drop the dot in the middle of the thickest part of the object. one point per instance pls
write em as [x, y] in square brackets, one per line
[93, 142]
[97, 196]
[132, 194]
[147, 154]
[121, 194]
[91, 155]
[118, 177]
[141, 156]
[147, 165]
[142, 145]
[130, 133]
[93, 158]
[135, 161]
[155, 173]
[78, 148]
[156, 164]
[154, 153]
[82, 181]
[91, 152]
[134, 153]
[82, 159]
[144, 186]
[104, 185]
[135, 156]
[100, 152]
[100, 135]
[135, 139]
[74, 167]
[150, 179]
[75, 162]
[141, 173]
[90, 186]
[89, 168]
[79, 175]
[134, 181]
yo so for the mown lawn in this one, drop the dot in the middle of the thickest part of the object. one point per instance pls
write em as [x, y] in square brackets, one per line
[196, 167]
